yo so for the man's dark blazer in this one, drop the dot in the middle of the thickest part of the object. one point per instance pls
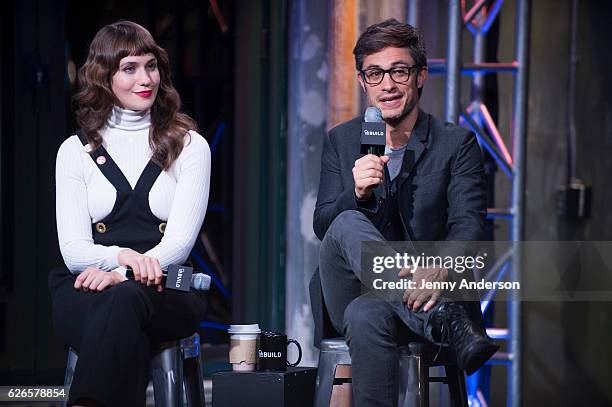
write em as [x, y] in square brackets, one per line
[441, 190]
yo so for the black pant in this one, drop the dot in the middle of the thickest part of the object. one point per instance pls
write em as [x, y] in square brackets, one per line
[373, 327]
[116, 331]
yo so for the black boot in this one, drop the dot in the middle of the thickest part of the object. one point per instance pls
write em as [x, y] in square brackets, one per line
[472, 346]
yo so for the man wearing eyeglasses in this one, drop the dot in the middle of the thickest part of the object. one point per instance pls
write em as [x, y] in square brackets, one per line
[433, 180]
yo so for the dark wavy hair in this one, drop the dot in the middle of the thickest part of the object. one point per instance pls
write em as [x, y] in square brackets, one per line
[390, 33]
[95, 99]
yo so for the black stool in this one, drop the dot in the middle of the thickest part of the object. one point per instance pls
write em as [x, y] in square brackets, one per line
[414, 379]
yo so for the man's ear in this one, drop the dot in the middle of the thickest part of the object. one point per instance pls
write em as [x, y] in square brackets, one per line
[422, 77]
[361, 82]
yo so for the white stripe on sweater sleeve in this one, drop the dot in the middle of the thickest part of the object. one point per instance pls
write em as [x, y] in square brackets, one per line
[189, 204]
[72, 215]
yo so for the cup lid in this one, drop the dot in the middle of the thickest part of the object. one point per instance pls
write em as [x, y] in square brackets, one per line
[244, 329]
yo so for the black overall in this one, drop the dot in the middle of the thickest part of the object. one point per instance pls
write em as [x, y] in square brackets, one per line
[116, 331]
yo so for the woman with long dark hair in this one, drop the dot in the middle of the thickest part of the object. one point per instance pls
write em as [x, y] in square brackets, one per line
[132, 190]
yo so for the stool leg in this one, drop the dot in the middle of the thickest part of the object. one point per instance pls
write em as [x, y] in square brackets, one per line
[328, 361]
[413, 382]
[70, 366]
[456, 386]
[167, 377]
[423, 374]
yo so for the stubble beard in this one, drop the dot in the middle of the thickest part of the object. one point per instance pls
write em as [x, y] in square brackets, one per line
[395, 120]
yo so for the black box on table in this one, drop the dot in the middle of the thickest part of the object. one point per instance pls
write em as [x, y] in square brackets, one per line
[293, 388]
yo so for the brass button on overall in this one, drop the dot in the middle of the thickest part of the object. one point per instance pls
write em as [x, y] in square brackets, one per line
[162, 227]
[101, 227]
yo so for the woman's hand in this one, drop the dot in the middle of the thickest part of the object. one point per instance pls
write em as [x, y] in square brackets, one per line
[146, 269]
[94, 279]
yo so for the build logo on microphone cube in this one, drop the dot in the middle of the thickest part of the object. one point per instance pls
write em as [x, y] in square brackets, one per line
[373, 138]
[179, 278]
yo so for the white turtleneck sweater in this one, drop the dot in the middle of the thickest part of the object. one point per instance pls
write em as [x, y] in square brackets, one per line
[84, 196]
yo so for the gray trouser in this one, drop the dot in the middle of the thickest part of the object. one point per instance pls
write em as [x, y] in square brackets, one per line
[373, 327]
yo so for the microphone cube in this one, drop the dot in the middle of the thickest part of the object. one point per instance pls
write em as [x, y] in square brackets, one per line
[373, 138]
[179, 278]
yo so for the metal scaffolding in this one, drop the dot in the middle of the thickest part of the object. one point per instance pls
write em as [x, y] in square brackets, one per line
[478, 20]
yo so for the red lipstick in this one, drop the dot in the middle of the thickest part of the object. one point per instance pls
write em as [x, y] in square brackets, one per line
[145, 93]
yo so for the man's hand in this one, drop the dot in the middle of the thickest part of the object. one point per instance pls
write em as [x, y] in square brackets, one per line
[94, 279]
[146, 269]
[414, 298]
[367, 173]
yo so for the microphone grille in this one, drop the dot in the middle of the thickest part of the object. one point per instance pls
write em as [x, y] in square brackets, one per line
[201, 281]
[373, 114]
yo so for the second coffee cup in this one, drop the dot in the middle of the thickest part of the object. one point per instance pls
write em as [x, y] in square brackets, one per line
[272, 352]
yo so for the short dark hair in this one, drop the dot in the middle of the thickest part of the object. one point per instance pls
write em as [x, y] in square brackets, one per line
[390, 33]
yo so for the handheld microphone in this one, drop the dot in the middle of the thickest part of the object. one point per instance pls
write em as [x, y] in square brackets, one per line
[373, 132]
[181, 278]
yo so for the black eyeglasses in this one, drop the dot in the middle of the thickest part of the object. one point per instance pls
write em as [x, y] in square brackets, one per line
[399, 74]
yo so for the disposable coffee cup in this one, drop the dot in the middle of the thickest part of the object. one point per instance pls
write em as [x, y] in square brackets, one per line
[243, 347]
